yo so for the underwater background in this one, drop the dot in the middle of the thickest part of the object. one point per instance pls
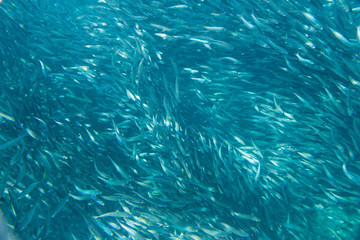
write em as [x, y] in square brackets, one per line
[180, 119]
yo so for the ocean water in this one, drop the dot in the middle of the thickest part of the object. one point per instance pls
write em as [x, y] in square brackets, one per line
[179, 119]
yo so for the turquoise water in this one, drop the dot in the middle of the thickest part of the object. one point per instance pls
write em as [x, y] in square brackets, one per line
[180, 119]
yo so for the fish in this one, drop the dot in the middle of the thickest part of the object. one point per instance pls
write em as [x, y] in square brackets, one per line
[114, 214]
[189, 120]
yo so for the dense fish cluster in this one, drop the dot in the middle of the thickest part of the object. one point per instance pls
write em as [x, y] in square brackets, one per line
[180, 119]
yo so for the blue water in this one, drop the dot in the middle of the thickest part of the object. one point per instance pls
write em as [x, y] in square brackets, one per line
[180, 119]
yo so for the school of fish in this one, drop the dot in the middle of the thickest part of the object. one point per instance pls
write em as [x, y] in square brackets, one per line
[181, 119]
